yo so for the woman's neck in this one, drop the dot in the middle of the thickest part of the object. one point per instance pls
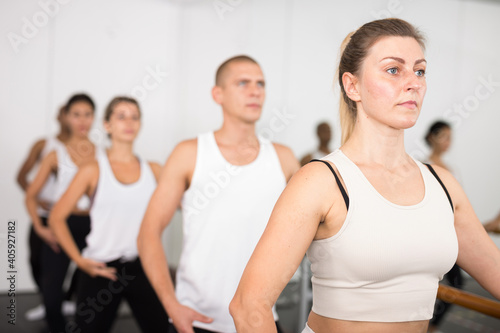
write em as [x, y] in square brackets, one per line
[379, 144]
[121, 152]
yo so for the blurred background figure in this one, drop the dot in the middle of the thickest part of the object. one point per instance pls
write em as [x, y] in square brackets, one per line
[121, 185]
[439, 140]
[493, 225]
[63, 162]
[324, 133]
[46, 199]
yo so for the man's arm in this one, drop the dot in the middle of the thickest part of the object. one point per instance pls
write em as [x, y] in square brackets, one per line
[289, 163]
[174, 180]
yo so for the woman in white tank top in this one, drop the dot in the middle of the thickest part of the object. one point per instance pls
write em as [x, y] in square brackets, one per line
[45, 200]
[120, 185]
[62, 162]
[382, 235]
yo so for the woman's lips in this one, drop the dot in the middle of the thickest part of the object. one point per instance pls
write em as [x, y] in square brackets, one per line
[409, 104]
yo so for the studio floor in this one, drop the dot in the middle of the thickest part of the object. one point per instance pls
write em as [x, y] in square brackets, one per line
[458, 319]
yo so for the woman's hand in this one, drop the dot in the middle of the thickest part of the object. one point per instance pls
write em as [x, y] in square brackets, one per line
[48, 236]
[96, 268]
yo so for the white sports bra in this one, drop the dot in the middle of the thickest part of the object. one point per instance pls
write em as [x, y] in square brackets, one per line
[385, 263]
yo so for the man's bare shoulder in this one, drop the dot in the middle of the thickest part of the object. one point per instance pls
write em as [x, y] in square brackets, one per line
[185, 149]
[289, 162]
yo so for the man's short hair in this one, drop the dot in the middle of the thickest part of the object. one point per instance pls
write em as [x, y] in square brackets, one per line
[222, 70]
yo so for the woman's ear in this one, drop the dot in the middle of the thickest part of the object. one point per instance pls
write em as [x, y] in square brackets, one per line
[351, 87]
[107, 127]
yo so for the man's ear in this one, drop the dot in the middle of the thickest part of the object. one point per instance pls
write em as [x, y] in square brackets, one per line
[217, 94]
[351, 86]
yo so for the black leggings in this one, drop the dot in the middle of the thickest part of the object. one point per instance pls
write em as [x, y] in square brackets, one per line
[54, 267]
[201, 330]
[455, 278]
[99, 299]
[36, 245]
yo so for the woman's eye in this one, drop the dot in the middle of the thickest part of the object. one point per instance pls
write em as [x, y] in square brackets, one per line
[420, 72]
[392, 71]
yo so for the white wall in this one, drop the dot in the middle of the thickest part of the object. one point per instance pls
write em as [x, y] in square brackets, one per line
[109, 48]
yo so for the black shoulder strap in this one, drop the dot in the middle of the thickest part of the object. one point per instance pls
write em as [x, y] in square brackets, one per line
[339, 183]
[442, 185]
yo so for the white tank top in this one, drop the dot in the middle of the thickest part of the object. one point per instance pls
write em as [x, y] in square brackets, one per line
[317, 154]
[116, 213]
[385, 263]
[66, 171]
[47, 193]
[225, 211]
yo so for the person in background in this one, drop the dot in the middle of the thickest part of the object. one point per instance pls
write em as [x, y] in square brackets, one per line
[439, 140]
[37, 153]
[324, 133]
[121, 185]
[380, 228]
[63, 162]
[493, 225]
[227, 182]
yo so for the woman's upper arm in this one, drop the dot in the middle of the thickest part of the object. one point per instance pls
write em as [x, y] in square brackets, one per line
[30, 161]
[156, 168]
[48, 165]
[478, 255]
[84, 183]
[293, 225]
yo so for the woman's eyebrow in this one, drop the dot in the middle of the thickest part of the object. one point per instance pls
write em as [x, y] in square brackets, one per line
[401, 60]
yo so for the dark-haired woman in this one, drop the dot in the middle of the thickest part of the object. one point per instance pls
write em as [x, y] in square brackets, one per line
[37, 153]
[121, 185]
[63, 162]
[378, 226]
[439, 140]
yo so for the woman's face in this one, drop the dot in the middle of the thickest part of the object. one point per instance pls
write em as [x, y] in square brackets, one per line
[442, 140]
[391, 83]
[79, 118]
[124, 122]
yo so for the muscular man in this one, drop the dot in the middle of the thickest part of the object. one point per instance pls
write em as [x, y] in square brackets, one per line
[227, 183]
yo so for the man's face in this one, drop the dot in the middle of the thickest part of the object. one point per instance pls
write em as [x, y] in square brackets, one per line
[242, 91]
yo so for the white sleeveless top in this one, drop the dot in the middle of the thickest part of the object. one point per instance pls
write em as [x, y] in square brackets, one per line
[385, 263]
[66, 171]
[116, 213]
[225, 211]
[48, 191]
[317, 154]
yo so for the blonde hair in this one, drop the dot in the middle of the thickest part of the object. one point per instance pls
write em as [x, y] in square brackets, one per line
[353, 52]
[114, 102]
[117, 100]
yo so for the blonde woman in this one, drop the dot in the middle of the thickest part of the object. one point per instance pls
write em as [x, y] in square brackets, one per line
[380, 228]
